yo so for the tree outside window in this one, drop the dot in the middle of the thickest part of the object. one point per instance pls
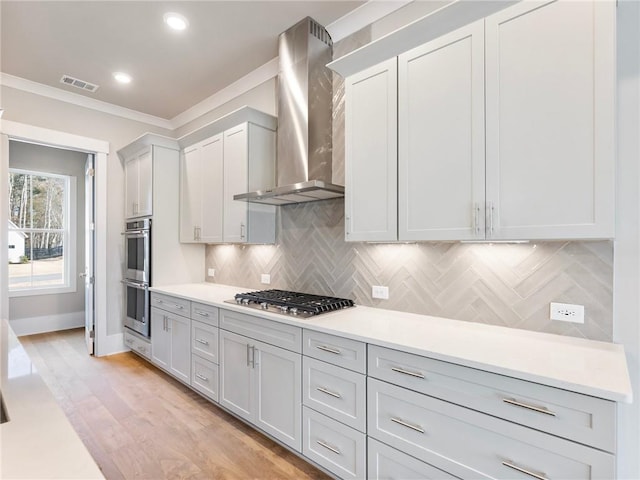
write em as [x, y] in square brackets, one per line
[39, 222]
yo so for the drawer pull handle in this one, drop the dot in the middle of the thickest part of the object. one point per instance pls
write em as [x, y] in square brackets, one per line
[329, 447]
[324, 348]
[544, 410]
[203, 342]
[407, 372]
[399, 421]
[328, 392]
[202, 314]
[179, 307]
[538, 475]
[202, 377]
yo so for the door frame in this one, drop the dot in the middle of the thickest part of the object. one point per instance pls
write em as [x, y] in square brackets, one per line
[100, 148]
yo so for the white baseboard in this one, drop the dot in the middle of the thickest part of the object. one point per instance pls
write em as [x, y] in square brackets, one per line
[47, 323]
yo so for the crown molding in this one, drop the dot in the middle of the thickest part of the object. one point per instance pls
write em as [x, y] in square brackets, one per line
[251, 80]
[364, 15]
[80, 100]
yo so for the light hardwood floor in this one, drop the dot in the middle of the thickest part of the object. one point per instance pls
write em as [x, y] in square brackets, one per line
[138, 422]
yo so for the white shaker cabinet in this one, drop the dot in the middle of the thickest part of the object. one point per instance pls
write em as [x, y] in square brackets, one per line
[505, 131]
[249, 151]
[371, 149]
[261, 383]
[441, 138]
[171, 343]
[550, 100]
[138, 172]
[201, 192]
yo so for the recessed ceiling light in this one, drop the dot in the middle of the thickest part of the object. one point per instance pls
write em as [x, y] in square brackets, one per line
[176, 21]
[122, 77]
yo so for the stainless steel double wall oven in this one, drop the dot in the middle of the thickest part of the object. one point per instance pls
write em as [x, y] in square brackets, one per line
[137, 278]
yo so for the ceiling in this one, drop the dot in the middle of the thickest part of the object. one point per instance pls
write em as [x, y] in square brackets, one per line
[43, 40]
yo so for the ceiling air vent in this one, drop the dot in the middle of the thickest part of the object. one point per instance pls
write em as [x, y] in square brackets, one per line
[76, 82]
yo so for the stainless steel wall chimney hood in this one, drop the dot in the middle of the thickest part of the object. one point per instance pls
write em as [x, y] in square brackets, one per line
[304, 163]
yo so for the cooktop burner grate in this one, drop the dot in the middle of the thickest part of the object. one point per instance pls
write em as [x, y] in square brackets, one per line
[294, 303]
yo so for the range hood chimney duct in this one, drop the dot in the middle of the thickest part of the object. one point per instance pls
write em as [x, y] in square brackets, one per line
[305, 96]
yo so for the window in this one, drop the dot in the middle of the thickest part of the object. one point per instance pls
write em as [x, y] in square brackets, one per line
[41, 231]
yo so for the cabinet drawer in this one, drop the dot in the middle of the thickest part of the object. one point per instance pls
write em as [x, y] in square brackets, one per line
[467, 443]
[204, 313]
[137, 345]
[204, 377]
[336, 392]
[204, 340]
[336, 447]
[339, 351]
[171, 304]
[385, 463]
[274, 333]
[578, 417]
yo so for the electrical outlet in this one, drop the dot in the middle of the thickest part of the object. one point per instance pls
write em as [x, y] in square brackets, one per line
[566, 312]
[211, 272]
[265, 278]
[380, 292]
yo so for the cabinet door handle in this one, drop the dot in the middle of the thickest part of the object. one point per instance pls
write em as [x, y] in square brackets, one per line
[199, 230]
[202, 377]
[408, 372]
[490, 209]
[203, 342]
[537, 475]
[164, 323]
[399, 421]
[347, 225]
[248, 357]
[476, 218]
[195, 232]
[324, 348]
[328, 447]
[328, 392]
[513, 401]
[254, 362]
[179, 307]
[201, 313]
[242, 233]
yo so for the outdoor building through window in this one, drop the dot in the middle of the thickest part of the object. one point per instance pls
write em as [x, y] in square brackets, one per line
[39, 233]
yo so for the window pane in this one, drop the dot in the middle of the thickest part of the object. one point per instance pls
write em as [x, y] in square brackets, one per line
[19, 264]
[19, 199]
[47, 201]
[39, 267]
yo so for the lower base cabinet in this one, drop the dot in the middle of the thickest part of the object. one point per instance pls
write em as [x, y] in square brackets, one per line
[204, 377]
[171, 343]
[262, 384]
[137, 344]
[386, 463]
[334, 446]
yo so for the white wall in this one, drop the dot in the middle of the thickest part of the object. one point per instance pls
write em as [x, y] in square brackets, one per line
[626, 320]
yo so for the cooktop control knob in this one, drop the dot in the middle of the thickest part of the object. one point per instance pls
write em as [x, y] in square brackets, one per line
[264, 305]
[245, 301]
[238, 301]
[293, 311]
[284, 309]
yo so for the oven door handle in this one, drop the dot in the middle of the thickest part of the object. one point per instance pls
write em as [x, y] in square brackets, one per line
[136, 232]
[139, 286]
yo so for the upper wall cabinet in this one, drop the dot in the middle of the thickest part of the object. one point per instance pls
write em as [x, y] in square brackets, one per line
[550, 78]
[533, 87]
[371, 148]
[138, 172]
[238, 159]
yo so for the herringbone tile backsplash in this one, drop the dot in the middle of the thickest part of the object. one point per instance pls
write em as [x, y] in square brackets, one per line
[500, 284]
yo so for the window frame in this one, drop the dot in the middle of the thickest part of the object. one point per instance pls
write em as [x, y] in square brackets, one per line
[69, 234]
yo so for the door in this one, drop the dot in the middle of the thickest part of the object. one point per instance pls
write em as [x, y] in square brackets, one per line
[190, 194]
[441, 136]
[278, 390]
[211, 173]
[235, 374]
[371, 133]
[550, 119]
[89, 254]
[235, 181]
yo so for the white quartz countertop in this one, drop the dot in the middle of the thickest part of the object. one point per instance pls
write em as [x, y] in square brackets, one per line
[584, 366]
[37, 442]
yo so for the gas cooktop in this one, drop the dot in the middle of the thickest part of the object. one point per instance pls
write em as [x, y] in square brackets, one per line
[291, 303]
